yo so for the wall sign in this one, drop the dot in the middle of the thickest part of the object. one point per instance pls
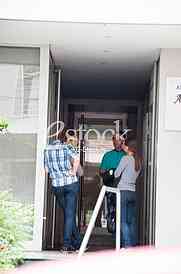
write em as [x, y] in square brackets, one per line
[173, 104]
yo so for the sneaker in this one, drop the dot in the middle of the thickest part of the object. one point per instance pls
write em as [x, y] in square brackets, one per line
[67, 249]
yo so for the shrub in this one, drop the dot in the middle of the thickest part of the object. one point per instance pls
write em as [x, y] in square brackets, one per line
[16, 221]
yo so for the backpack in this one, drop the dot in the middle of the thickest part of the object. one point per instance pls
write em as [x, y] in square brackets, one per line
[109, 179]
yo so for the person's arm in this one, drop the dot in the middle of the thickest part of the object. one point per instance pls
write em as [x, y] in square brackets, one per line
[122, 164]
[80, 171]
[103, 166]
[75, 166]
[74, 158]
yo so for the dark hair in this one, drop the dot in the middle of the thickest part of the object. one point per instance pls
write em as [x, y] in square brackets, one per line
[62, 135]
[132, 147]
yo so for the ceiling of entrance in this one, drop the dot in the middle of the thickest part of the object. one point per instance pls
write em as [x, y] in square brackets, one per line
[97, 60]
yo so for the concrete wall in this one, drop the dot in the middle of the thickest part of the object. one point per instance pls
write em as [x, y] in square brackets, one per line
[168, 220]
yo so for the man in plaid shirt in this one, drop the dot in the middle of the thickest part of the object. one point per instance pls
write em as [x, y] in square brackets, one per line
[61, 162]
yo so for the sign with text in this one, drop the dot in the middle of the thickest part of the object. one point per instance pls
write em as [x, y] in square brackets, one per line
[173, 104]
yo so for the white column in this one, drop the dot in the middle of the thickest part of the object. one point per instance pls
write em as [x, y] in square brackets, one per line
[41, 142]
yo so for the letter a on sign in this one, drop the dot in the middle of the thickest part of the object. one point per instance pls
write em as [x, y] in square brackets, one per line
[173, 104]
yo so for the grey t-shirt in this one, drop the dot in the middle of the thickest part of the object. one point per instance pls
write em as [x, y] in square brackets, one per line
[126, 169]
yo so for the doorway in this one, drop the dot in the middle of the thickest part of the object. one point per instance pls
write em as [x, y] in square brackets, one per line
[100, 114]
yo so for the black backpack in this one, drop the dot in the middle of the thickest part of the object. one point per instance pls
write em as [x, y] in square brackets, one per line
[108, 177]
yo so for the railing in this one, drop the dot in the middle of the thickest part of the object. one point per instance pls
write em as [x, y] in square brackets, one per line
[94, 216]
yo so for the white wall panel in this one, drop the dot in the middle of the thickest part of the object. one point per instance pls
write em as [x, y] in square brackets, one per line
[168, 204]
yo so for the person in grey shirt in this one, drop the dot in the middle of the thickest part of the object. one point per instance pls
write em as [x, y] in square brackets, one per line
[128, 170]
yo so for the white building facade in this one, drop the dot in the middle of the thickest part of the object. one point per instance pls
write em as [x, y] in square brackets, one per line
[32, 97]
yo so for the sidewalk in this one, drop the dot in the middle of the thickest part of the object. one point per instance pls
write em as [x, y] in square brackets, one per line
[130, 261]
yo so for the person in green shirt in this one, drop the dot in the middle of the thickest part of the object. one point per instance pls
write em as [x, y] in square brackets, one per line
[109, 161]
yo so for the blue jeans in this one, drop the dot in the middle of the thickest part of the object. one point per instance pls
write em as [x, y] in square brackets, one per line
[67, 199]
[128, 218]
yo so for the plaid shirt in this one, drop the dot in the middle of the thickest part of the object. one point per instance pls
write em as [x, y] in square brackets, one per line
[57, 160]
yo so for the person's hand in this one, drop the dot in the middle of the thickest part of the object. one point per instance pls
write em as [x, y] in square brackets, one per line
[72, 172]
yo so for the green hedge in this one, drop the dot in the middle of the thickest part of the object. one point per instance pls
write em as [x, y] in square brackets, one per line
[3, 123]
[16, 222]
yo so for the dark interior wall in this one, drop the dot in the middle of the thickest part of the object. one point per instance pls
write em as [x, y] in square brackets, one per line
[132, 124]
[108, 86]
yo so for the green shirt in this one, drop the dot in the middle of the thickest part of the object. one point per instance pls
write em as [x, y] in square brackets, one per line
[111, 159]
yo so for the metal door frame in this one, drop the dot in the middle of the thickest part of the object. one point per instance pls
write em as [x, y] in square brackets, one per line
[49, 231]
[150, 146]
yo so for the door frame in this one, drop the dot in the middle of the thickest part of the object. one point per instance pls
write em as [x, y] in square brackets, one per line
[150, 147]
[50, 209]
